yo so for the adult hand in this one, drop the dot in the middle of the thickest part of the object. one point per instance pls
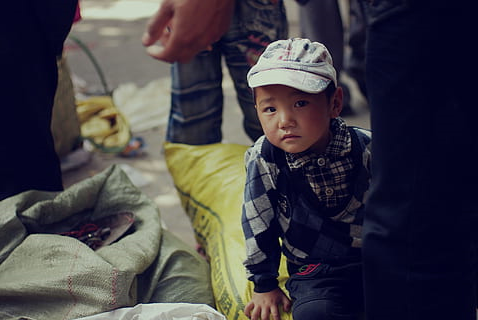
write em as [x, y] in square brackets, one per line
[265, 304]
[186, 27]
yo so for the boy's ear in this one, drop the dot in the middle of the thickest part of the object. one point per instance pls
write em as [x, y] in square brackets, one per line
[337, 102]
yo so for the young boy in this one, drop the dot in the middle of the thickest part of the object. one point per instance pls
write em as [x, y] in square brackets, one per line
[306, 183]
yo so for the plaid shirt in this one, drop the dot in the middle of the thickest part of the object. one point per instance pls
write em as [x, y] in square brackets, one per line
[329, 175]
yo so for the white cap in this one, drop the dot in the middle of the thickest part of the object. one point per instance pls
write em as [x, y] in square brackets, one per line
[297, 63]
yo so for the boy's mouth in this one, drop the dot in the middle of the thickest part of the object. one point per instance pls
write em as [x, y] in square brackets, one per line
[289, 136]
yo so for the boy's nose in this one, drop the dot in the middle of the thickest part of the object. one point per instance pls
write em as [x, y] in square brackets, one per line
[286, 121]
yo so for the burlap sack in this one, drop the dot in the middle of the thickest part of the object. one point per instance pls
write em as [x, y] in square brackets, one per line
[44, 275]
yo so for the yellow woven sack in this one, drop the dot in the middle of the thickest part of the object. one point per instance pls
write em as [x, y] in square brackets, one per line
[210, 181]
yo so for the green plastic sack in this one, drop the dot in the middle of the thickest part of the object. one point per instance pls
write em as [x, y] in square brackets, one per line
[44, 275]
[210, 181]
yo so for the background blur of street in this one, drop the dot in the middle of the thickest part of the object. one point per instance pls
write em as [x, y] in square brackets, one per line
[111, 30]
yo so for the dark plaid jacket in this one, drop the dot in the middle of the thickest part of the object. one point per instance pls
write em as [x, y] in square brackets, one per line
[282, 213]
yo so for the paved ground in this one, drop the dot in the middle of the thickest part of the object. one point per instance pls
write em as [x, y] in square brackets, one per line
[112, 30]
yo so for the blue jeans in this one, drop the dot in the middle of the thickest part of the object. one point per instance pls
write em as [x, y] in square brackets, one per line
[197, 94]
[419, 233]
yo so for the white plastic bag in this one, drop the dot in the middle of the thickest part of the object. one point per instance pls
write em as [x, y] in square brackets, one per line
[146, 107]
[161, 311]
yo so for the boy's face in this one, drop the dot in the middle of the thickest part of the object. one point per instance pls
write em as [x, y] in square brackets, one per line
[295, 121]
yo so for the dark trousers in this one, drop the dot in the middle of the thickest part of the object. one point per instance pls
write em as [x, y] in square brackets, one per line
[321, 20]
[32, 34]
[326, 291]
[421, 218]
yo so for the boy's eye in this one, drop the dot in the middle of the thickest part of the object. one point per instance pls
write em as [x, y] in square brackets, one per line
[301, 103]
[269, 109]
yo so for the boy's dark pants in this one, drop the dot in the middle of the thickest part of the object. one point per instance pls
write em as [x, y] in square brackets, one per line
[326, 291]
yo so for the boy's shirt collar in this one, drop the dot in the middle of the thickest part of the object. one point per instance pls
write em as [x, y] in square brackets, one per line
[339, 146]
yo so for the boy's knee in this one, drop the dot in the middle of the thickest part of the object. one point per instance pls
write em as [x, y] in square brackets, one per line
[322, 309]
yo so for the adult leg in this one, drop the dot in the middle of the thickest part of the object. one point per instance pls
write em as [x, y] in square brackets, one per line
[196, 100]
[320, 20]
[419, 256]
[354, 60]
[32, 36]
[256, 25]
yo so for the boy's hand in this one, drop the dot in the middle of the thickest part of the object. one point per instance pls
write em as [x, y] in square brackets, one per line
[265, 304]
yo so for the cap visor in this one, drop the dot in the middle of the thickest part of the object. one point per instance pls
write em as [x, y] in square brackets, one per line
[300, 80]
